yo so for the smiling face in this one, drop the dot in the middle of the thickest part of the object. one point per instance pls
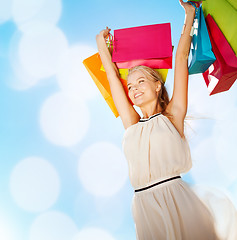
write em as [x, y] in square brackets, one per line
[141, 89]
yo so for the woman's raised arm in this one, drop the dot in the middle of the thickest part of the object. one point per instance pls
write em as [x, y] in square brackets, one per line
[179, 101]
[125, 109]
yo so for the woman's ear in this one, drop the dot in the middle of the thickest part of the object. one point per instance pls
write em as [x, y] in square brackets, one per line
[158, 86]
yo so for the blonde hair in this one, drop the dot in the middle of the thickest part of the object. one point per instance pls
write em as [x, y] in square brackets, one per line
[151, 74]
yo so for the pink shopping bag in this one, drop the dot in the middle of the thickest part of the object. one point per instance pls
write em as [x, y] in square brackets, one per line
[159, 63]
[144, 42]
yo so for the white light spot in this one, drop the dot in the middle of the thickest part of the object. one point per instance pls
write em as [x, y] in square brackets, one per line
[111, 212]
[39, 52]
[6, 233]
[5, 10]
[53, 226]
[34, 184]
[26, 11]
[103, 169]
[205, 169]
[73, 78]
[92, 234]
[20, 80]
[208, 106]
[225, 132]
[63, 120]
[233, 190]
[207, 109]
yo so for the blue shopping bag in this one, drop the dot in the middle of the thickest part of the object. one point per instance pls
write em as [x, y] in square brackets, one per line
[201, 49]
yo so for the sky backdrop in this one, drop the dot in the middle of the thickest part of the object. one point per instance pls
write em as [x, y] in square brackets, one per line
[63, 175]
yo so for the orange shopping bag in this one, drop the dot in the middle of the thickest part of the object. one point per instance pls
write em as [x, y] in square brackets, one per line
[93, 66]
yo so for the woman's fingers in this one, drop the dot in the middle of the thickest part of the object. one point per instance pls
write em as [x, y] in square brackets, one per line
[185, 3]
[188, 7]
[105, 32]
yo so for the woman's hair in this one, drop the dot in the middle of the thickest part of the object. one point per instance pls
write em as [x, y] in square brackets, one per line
[151, 74]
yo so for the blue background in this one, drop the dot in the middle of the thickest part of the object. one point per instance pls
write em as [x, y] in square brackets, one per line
[211, 128]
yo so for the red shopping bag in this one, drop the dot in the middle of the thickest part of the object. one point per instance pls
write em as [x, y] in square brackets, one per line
[144, 42]
[223, 72]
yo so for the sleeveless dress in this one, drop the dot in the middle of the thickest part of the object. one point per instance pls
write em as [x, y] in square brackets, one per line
[155, 151]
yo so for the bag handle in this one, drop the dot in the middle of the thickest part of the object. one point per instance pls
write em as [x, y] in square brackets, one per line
[194, 5]
[195, 21]
[110, 42]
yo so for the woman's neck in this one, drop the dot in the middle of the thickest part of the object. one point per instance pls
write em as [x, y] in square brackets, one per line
[150, 110]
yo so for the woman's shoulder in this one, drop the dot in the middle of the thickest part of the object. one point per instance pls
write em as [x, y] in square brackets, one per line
[131, 120]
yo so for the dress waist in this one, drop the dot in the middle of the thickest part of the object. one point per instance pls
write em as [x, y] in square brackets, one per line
[156, 183]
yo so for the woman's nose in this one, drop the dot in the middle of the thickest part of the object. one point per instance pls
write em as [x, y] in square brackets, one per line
[134, 87]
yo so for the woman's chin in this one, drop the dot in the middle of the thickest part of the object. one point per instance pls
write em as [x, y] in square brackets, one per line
[138, 103]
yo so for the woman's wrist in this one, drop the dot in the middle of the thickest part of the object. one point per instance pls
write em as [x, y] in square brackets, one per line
[100, 37]
[190, 11]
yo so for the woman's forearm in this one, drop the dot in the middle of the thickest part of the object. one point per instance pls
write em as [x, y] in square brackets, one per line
[185, 39]
[109, 66]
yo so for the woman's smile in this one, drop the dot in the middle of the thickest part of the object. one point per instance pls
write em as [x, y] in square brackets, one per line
[136, 95]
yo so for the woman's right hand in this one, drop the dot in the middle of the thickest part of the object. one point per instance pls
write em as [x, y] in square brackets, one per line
[104, 33]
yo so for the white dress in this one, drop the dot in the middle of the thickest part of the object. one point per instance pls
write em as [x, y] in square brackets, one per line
[169, 211]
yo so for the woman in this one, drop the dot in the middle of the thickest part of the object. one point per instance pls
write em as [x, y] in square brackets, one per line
[164, 207]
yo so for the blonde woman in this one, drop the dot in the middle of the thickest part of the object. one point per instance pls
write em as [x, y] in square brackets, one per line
[164, 206]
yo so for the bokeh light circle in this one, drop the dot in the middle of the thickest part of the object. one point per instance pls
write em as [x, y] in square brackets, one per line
[20, 79]
[92, 234]
[39, 53]
[27, 11]
[205, 169]
[205, 107]
[102, 169]
[6, 229]
[63, 120]
[111, 212]
[73, 78]
[34, 184]
[225, 132]
[53, 225]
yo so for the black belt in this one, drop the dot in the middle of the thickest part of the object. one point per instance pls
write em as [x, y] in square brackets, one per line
[155, 184]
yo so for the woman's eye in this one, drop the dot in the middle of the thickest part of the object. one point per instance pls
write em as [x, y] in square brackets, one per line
[141, 81]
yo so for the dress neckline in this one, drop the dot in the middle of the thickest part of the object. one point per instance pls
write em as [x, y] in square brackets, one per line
[147, 119]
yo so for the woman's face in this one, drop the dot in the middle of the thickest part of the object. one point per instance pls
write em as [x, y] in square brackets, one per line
[142, 90]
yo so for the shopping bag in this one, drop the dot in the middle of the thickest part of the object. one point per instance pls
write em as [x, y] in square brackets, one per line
[123, 72]
[223, 72]
[157, 63]
[233, 3]
[201, 50]
[224, 12]
[93, 65]
[143, 42]
[163, 63]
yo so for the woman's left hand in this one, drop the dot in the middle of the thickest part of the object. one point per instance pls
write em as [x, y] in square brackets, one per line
[188, 7]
